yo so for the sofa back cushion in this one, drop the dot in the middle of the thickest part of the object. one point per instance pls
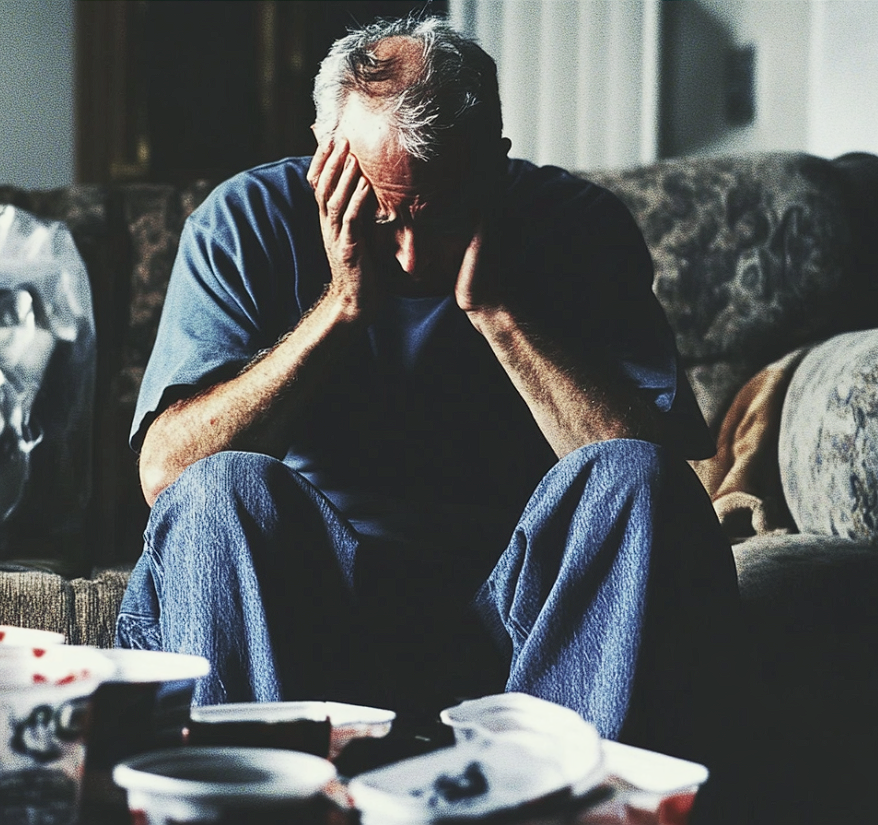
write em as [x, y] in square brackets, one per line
[754, 256]
[152, 218]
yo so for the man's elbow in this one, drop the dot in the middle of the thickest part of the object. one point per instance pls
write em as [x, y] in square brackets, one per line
[156, 474]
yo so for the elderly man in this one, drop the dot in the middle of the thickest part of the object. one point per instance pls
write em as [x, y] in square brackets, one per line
[414, 427]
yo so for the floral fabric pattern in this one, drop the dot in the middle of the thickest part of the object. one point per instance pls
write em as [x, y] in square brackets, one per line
[828, 446]
[752, 259]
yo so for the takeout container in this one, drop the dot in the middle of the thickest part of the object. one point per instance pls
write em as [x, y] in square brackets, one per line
[512, 751]
[495, 736]
[573, 743]
[649, 788]
[143, 705]
[45, 694]
[211, 785]
[467, 781]
[319, 728]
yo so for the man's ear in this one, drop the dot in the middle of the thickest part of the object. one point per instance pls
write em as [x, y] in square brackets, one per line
[502, 156]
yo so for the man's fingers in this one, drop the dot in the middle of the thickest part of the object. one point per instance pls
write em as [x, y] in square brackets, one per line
[318, 161]
[472, 254]
[327, 181]
[472, 289]
[355, 205]
[345, 186]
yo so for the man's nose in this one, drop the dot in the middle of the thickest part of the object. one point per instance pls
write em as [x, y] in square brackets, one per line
[407, 253]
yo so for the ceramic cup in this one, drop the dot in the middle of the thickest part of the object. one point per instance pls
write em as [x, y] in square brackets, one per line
[28, 637]
[142, 706]
[207, 785]
[45, 693]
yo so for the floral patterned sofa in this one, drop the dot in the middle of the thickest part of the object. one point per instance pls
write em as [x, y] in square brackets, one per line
[763, 262]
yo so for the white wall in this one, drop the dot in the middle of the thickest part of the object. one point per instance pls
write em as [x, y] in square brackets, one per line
[844, 77]
[816, 75]
[595, 60]
[36, 93]
[699, 35]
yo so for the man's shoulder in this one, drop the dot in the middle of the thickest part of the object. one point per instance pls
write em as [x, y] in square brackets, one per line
[552, 203]
[285, 173]
[276, 188]
[550, 187]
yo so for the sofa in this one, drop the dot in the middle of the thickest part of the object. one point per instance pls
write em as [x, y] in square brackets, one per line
[767, 270]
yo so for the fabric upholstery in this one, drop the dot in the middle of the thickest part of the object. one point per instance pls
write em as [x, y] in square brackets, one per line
[828, 447]
[83, 609]
[154, 217]
[809, 581]
[753, 258]
[812, 620]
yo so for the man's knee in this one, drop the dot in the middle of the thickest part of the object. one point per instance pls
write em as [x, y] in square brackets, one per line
[219, 477]
[606, 472]
[215, 496]
[621, 460]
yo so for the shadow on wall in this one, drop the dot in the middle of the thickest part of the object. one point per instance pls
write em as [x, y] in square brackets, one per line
[695, 51]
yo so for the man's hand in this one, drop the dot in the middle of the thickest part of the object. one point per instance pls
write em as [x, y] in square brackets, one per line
[341, 192]
[478, 288]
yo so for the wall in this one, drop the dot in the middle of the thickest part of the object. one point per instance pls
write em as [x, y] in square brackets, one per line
[816, 76]
[36, 93]
[576, 76]
[844, 77]
[697, 37]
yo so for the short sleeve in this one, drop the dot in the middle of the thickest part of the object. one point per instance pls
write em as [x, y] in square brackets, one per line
[585, 275]
[234, 289]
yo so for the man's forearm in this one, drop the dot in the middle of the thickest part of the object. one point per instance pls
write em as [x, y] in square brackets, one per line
[572, 404]
[254, 410]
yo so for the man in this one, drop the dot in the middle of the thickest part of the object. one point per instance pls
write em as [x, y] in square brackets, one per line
[414, 427]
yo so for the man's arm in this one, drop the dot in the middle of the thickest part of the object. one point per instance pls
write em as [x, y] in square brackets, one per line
[572, 403]
[255, 410]
[252, 411]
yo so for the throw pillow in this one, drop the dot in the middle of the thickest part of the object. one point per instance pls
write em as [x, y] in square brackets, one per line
[828, 447]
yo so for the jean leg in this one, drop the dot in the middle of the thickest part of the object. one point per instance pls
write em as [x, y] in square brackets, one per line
[615, 568]
[247, 564]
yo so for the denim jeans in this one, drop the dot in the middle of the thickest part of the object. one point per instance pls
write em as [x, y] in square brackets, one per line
[615, 596]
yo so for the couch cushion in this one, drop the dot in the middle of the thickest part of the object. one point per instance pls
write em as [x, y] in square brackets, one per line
[84, 610]
[828, 446]
[754, 256]
[154, 215]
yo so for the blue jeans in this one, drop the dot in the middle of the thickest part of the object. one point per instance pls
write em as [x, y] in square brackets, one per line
[616, 596]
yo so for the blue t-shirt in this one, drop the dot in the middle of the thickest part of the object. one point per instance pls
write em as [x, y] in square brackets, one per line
[421, 425]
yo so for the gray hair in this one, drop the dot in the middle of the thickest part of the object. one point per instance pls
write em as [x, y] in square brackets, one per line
[454, 97]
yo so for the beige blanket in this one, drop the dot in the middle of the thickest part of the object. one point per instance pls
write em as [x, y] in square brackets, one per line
[743, 478]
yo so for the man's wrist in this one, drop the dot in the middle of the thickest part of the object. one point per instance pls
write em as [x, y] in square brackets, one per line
[342, 305]
[492, 320]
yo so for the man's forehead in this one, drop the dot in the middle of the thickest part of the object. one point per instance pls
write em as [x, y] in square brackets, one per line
[365, 126]
[373, 141]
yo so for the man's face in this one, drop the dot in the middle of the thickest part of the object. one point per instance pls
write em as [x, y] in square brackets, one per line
[420, 219]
